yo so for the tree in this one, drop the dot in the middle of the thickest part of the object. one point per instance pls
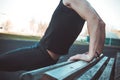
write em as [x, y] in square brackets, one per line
[7, 25]
[42, 28]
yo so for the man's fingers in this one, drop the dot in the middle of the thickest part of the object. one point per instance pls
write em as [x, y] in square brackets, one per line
[74, 58]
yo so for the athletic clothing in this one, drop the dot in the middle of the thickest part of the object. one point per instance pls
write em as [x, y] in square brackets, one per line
[62, 31]
[27, 58]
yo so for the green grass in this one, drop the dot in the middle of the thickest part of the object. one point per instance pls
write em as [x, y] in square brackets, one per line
[36, 38]
[18, 37]
[29, 38]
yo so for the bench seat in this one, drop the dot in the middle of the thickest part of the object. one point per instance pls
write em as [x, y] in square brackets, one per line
[104, 68]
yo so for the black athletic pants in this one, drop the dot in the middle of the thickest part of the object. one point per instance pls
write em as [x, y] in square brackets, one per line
[27, 58]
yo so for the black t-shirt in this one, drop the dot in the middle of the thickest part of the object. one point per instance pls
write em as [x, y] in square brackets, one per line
[63, 30]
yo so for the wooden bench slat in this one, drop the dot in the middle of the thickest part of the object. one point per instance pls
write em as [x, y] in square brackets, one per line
[36, 74]
[88, 75]
[117, 67]
[68, 72]
[64, 71]
[108, 69]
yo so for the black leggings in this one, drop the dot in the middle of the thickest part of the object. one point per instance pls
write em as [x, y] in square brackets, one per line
[27, 58]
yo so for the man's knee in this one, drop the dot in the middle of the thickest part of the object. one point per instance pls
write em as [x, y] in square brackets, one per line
[69, 3]
[66, 2]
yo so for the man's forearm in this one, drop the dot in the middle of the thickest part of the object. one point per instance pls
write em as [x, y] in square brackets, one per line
[96, 27]
[102, 39]
[97, 37]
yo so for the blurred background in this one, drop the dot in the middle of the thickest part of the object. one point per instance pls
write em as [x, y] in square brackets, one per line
[32, 17]
[23, 23]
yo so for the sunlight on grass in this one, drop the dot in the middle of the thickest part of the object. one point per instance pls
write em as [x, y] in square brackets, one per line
[19, 37]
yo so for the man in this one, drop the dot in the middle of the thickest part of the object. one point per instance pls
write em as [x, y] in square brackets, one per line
[66, 24]
[96, 28]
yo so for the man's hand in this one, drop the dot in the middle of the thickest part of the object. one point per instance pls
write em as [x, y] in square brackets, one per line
[85, 57]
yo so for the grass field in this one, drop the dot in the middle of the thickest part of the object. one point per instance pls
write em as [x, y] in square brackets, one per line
[29, 38]
[19, 37]
[37, 38]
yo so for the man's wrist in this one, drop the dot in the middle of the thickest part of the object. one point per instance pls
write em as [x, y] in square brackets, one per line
[98, 55]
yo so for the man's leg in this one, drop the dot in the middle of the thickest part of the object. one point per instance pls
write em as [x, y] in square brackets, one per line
[27, 58]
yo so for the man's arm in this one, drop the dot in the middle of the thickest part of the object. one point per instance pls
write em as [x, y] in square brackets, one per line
[96, 26]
